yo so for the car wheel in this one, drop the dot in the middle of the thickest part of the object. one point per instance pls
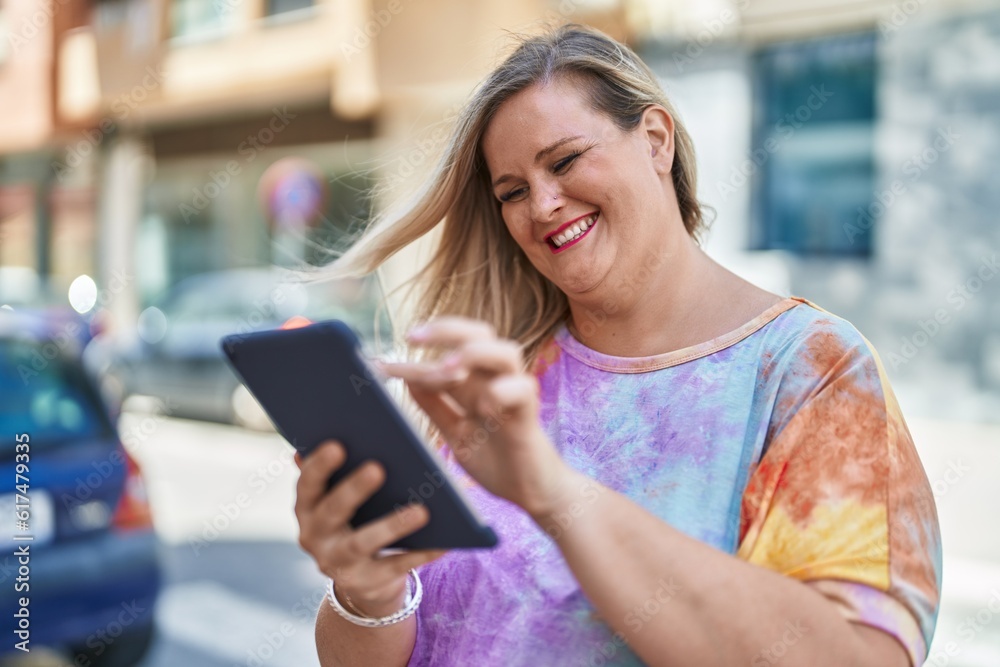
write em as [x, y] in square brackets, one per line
[247, 412]
[127, 650]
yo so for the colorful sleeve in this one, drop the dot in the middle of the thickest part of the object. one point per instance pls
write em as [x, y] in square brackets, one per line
[840, 499]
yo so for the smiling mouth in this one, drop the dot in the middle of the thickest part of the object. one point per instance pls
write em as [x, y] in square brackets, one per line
[573, 233]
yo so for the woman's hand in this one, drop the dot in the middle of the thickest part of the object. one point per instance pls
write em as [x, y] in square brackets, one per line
[487, 408]
[375, 584]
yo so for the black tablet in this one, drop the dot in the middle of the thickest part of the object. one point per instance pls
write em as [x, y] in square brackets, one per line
[315, 385]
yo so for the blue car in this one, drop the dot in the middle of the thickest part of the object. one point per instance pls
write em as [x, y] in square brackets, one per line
[79, 558]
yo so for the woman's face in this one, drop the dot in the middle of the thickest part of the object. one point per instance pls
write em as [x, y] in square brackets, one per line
[561, 170]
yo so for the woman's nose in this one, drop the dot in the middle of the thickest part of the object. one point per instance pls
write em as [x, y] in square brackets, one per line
[545, 203]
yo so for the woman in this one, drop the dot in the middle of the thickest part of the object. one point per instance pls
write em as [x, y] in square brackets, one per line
[683, 468]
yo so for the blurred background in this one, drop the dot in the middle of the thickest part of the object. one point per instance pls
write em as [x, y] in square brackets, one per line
[164, 164]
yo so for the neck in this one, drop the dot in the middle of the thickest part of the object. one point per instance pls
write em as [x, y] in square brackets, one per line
[680, 297]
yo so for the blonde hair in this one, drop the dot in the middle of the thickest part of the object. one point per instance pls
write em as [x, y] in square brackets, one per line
[478, 270]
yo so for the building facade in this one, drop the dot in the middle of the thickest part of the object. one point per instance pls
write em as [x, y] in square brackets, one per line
[156, 120]
[844, 150]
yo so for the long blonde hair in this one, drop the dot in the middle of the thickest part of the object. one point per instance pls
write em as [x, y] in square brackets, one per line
[478, 270]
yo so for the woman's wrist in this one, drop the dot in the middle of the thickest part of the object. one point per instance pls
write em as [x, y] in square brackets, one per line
[370, 609]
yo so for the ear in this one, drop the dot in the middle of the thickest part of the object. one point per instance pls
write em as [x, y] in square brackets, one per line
[658, 131]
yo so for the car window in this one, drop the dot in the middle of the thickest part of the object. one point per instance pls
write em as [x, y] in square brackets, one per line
[201, 304]
[46, 396]
[221, 297]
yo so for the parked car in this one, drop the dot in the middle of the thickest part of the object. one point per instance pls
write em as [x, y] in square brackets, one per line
[23, 290]
[93, 568]
[21, 286]
[173, 356]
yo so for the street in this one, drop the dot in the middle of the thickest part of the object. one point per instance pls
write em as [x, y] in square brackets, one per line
[963, 463]
[240, 591]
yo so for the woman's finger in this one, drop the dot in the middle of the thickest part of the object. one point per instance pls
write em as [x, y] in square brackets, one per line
[488, 356]
[494, 356]
[508, 395]
[451, 330]
[427, 374]
[342, 502]
[446, 414]
[380, 533]
[316, 469]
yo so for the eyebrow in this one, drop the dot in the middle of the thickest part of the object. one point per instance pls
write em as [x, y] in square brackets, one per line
[539, 155]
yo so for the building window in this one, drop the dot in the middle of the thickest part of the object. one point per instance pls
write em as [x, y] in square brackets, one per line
[283, 6]
[813, 146]
[197, 19]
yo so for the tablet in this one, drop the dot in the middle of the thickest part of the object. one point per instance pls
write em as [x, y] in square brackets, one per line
[315, 385]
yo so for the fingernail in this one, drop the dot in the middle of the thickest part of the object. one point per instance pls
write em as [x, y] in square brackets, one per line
[418, 332]
[452, 360]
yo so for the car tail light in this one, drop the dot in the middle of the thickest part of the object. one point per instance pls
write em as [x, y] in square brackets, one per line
[133, 511]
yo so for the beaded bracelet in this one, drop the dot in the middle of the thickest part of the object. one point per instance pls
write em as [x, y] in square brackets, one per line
[413, 597]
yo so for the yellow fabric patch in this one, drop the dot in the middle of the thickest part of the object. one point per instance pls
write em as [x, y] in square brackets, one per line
[843, 541]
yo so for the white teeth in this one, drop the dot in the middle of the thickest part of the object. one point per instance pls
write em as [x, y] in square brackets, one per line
[575, 231]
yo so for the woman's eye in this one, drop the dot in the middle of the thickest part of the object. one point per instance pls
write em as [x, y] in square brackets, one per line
[563, 164]
[512, 195]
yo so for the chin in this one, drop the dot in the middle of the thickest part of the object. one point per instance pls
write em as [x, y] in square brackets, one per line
[582, 288]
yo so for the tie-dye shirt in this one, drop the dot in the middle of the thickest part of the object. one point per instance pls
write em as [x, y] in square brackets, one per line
[780, 442]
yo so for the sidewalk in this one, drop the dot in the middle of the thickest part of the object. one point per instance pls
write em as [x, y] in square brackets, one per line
[963, 464]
